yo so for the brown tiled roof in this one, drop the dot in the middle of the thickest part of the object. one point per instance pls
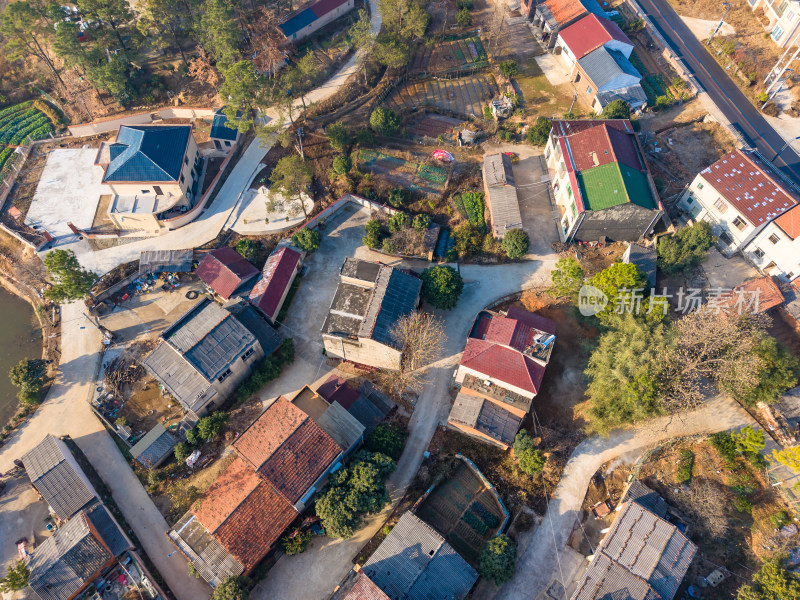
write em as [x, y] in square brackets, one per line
[256, 525]
[300, 460]
[230, 489]
[266, 434]
[504, 364]
[790, 222]
[765, 288]
[601, 145]
[565, 11]
[359, 587]
[532, 319]
[745, 183]
[563, 128]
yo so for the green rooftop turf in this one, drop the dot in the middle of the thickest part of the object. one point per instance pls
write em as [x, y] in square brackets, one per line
[613, 184]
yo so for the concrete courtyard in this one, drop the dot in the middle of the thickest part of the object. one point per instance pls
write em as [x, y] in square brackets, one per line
[68, 192]
[253, 218]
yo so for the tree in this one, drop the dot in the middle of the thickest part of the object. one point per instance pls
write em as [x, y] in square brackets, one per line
[354, 491]
[617, 282]
[789, 457]
[391, 53]
[387, 439]
[339, 136]
[233, 588]
[398, 197]
[182, 451]
[515, 243]
[404, 19]
[682, 252]
[342, 164]
[509, 68]
[617, 109]
[421, 223]
[220, 35]
[247, 248]
[398, 222]
[539, 132]
[441, 286]
[467, 238]
[420, 338]
[530, 458]
[498, 559]
[307, 239]
[29, 375]
[240, 92]
[384, 121]
[464, 18]
[778, 372]
[373, 234]
[266, 42]
[16, 579]
[208, 427]
[567, 278]
[624, 374]
[73, 282]
[114, 14]
[749, 440]
[362, 38]
[291, 177]
[161, 21]
[202, 69]
[772, 582]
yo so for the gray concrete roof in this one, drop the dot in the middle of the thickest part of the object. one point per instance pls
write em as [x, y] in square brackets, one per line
[214, 563]
[173, 261]
[343, 427]
[486, 417]
[640, 493]
[56, 475]
[642, 558]
[180, 378]
[502, 198]
[154, 446]
[415, 562]
[603, 66]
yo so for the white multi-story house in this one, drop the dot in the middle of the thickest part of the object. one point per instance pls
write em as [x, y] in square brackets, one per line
[784, 19]
[739, 195]
[776, 249]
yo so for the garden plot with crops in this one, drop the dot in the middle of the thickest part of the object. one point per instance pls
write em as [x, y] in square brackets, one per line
[450, 55]
[411, 175]
[465, 511]
[463, 96]
[435, 127]
[19, 123]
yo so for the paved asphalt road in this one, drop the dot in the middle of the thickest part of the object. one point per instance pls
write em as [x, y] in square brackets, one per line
[726, 95]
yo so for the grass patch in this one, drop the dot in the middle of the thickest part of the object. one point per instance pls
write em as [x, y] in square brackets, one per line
[685, 466]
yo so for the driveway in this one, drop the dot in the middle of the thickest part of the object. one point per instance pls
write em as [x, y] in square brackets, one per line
[65, 411]
[540, 549]
[326, 561]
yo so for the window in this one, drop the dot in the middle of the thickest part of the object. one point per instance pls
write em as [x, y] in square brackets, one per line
[790, 16]
[777, 33]
[248, 354]
[739, 223]
[224, 375]
[569, 190]
[689, 200]
[157, 189]
[774, 238]
[789, 275]
[725, 238]
[182, 178]
[699, 185]
[227, 144]
[759, 252]
[145, 191]
[547, 153]
[186, 160]
[589, 91]
[721, 206]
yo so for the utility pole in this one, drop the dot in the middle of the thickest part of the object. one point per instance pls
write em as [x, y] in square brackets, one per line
[727, 6]
[779, 83]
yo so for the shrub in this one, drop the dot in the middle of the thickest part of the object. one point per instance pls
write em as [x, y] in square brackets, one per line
[742, 504]
[50, 112]
[467, 239]
[508, 68]
[686, 249]
[365, 138]
[307, 239]
[339, 136]
[780, 519]
[762, 97]
[529, 458]
[398, 222]
[728, 47]
[265, 371]
[398, 197]
[539, 132]
[617, 109]
[421, 223]
[498, 559]
[247, 248]
[233, 588]
[373, 234]
[685, 466]
[441, 286]
[342, 164]
[487, 113]
[182, 451]
[724, 443]
[389, 246]
[296, 544]
[464, 18]
[515, 243]
[122, 421]
[384, 121]
[663, 102]
[772, 582]
[387, 439]
[208, 427]
[468, 4]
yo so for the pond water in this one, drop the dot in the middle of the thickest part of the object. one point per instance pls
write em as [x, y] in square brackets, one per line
[20, 337]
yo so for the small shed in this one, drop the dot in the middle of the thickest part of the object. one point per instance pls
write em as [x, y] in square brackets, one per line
[170, 261]
[224, 137]
[154, 447]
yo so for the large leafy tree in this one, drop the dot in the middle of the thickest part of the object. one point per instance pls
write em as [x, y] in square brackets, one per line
[529, 458]
[387, 439]
[772, 582]
[515, 243]
[161, 20]
[778, 372]
[617, 109]
[362, 38]
[16, 579]
[29, 375]
[291, 178]
[354, 491]
[307, 239]
[686, 249]
[266, 41]
[391, 53]
[384, 121]
[220, 35]
[240, 91]
[441, 286]
[115, 16]
[539, 132]
[498, 559]
[405, 20]
[613, 281]
[233, 588]
[567, 278]
[72, 282]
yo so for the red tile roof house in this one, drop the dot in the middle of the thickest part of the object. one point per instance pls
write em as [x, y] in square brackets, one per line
[601, 181]
[500, 373]
[551, 16]
[270, 291]
[282, 459]
[589, 34]
[224, 271]
[740, 196]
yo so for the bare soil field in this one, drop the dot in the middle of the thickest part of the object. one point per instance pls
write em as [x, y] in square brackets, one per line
[464, 96]
[450, 55]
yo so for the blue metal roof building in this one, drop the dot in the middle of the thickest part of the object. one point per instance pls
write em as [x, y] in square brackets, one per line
[220, 130]
[298, 22]
[147, 153]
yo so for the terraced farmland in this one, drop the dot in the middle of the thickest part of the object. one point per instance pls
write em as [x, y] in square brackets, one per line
[464, 96]
[408, 174]
[450, 56]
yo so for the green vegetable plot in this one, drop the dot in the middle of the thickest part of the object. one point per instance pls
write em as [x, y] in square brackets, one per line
[18, 123]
